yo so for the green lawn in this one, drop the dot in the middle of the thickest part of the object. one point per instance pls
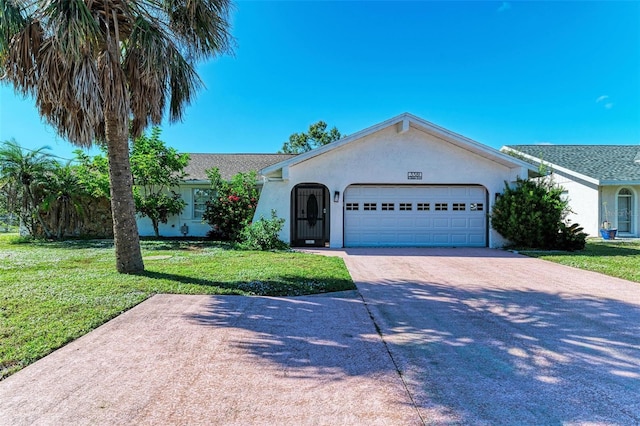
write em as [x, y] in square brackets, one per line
[617, 258]
[52, 293]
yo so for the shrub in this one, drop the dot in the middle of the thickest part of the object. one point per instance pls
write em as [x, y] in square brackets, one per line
[234, 204]
[571, 238]
[263, 234]
[530, 214]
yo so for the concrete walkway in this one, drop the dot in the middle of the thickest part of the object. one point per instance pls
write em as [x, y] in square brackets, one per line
[478, 336]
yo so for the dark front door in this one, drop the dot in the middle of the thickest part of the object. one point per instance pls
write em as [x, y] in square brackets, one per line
[310, 214]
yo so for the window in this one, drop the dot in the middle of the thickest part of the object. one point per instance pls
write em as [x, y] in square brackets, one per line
[200, 198]
[388, 206]
[459, 207]
[423, 207]
[441, 207]
[352, 206]
[405, 206]
[370, 206]
[476, 207]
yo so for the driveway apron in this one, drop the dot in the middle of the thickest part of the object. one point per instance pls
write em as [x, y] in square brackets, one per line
[486, 336]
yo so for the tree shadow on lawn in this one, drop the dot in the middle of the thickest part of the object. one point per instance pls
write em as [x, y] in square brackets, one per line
[468, 355]
[282, 285]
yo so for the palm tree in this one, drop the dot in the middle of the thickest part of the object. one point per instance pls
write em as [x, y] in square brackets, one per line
[26, 171]
[103, 70]
[63, 198]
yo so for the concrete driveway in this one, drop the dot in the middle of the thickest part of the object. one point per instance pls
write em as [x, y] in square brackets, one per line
[459, 336]
[489, 337]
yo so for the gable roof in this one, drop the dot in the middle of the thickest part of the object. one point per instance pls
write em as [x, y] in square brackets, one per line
[403, 122]
[604, 164]
[229, 164]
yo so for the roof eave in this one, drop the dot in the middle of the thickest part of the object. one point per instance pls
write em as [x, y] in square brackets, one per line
[555, 167]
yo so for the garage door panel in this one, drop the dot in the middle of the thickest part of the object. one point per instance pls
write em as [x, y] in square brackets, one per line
[441, 223]
[477, 222]
[457, 222]
[419, 215]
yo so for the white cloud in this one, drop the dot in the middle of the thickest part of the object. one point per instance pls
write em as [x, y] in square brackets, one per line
[504, 7]
[607, 104]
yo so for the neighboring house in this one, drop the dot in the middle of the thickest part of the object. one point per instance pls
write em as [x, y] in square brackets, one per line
[403, 182]
[196, 190]
[602, 182]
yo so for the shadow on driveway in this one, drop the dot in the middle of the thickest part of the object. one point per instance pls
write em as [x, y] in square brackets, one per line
[507, 339]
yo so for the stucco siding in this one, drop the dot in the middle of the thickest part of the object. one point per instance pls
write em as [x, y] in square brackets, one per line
[173, 225]
[386, 157]
[276, 195]
[583, 201]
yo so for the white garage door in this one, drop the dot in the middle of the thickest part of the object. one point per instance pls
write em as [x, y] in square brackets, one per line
[424, 215]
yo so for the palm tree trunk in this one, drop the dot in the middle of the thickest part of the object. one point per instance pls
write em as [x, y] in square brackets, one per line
[125, 229]
[35, 211]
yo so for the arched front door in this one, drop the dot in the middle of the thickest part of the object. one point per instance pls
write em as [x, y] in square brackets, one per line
[310, 214]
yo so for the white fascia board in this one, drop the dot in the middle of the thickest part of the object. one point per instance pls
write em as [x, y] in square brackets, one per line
[619, 182]
[555, 166]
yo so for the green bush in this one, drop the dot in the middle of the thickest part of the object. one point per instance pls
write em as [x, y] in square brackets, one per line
[571, 237]
[233, 205]
[263, 234]
[531, 215]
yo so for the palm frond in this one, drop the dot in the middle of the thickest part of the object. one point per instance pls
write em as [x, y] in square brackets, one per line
[201, 24]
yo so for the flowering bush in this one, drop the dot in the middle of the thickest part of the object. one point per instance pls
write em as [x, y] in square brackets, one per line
[233, 204]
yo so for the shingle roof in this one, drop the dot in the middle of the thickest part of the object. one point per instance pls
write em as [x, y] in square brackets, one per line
[610, 163]
[230, 164]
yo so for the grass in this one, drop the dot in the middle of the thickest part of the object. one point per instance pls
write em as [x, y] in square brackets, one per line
[54, 292]
[615, 258]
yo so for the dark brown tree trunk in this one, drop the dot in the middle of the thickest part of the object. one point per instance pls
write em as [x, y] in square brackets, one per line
[156, 227]
[125, 229]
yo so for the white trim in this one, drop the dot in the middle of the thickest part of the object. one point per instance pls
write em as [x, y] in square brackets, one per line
[632, 202]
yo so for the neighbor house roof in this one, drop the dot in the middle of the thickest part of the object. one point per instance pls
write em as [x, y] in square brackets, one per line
[229, 164]
[403, 123]
[606, 164]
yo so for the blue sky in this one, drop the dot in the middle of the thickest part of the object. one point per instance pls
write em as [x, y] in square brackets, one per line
[497, 72]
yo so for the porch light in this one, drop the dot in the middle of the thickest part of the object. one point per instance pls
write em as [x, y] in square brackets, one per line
[336, 196]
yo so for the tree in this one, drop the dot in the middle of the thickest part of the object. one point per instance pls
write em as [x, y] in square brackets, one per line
[62, 198]
[156, 169]
[316, 137]
[25, 172]
[98, 69]
[93, 173]
[233, 205]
